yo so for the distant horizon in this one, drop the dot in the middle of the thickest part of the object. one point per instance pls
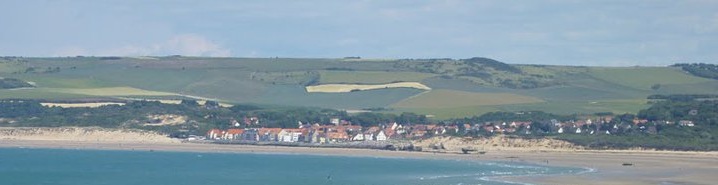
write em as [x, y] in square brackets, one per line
[562, 32]
[361, 58]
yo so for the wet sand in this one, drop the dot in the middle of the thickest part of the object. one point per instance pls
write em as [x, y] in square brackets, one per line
[648, 167]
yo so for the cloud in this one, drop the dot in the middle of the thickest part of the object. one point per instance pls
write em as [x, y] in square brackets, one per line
[194, 45]
[71, 51]
[183, 44]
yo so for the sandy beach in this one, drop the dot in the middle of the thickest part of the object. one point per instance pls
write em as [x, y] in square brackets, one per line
[606, 167]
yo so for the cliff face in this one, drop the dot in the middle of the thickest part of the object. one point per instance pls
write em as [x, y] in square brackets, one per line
[86, 134]
[496, 143]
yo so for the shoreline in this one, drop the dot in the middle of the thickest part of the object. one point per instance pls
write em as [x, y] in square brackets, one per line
[602, 167]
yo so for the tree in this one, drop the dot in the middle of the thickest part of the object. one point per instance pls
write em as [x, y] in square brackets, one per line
[189, 103]
[211, 104]
[656, 86]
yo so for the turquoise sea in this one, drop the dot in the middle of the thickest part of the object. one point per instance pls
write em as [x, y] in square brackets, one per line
[20, 166]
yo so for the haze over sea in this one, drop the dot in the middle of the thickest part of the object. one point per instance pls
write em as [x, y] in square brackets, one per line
[20, 166]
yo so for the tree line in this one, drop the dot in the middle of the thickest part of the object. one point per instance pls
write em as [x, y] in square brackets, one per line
[700, 69]
[11, 83]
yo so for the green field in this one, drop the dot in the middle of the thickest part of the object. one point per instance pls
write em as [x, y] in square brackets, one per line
[38, 94]
[644, 77]
[64, 82]
[451, 98]
[458, 88]
[448, 113]
[370, 77]
[580, 107]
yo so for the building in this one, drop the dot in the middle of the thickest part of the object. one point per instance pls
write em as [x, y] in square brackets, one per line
[268, 134]
[289, 135]
[381, 136]
[233, 134]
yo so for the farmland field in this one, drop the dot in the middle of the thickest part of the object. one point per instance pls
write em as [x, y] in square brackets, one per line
[297, 96]
[580, 107]
[110, 91]
[370, 77]
[447, 113]
[441, 87]
[73, 105]
[453, 98]
[345, 88]
[34, 93]
[64, 82]
[645, 77]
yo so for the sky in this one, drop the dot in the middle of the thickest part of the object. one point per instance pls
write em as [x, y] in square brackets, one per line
[555, 32]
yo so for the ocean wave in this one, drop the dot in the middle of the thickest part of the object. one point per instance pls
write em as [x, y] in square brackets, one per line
[450, 176]
[586, 170]
[516, 166]
[495, 179]
[501, 173]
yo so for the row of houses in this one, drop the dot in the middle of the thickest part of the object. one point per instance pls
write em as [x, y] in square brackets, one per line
[341, 131]
[335, 132]
[312, 134]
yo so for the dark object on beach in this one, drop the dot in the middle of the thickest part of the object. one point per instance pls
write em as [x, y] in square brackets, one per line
[627, 164]
[482, 152]
[467, 150]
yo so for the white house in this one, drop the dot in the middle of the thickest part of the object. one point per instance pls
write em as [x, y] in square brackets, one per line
[394, 126]
[381, 136]
[369, 136]
[686, 123]
[289, 135]
[358, 137]
[400, 130]
[560, 130]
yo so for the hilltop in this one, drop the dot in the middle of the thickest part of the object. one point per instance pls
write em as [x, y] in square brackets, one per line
[444, 88]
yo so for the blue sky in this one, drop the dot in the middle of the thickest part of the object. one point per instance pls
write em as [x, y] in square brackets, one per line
[564, 32]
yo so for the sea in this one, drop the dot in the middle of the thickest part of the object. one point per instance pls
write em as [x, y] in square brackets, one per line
[21, 166]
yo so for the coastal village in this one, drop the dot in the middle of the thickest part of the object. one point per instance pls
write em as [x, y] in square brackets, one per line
[341, 131]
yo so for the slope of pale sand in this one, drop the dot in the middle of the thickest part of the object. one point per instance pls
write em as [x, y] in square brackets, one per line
[82, 134]
[607, 167]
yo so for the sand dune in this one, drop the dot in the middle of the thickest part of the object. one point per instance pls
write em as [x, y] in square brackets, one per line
[87, 134]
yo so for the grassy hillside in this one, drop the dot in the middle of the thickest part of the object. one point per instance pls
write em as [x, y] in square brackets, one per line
[370, 77]
[643, 78]
[443, 98]
[458, 88]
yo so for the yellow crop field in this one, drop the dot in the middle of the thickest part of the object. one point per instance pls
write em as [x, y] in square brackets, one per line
[111, 91]
[74, 105]
[343, 88]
